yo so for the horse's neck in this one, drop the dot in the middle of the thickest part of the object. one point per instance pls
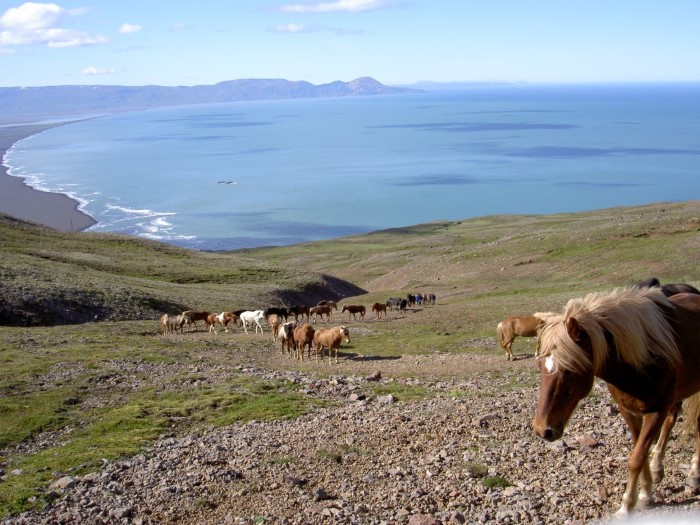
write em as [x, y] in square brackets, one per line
[646, 385]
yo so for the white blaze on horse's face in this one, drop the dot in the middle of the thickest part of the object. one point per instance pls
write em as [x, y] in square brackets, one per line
[549, 364]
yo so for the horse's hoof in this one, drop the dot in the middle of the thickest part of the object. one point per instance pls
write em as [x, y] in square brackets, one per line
[693, 482]
[645, 501]
[657, 476]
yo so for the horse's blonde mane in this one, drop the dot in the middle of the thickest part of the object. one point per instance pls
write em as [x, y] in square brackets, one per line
[633, 317]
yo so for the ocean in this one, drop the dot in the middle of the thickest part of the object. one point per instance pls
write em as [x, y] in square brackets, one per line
[249, 174]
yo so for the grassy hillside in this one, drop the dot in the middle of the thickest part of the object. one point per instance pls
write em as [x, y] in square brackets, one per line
[73, 394]
[51, 277]
[512, 263]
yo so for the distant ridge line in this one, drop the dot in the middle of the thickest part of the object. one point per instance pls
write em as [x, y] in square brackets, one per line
[82, 99]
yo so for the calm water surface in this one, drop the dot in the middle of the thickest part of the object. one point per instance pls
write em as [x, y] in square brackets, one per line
[283, 172]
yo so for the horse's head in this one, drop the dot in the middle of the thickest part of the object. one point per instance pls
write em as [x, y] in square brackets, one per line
[561, 387]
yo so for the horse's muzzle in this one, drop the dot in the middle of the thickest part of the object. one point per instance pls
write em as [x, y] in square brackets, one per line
[547, 432]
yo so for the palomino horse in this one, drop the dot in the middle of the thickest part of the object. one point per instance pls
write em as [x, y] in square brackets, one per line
[524, 326]
[646, 347]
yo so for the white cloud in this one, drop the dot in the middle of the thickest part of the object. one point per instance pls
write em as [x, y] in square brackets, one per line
[316, 28]
[92, 70]
[348, 6]
[35, 23]
[130, 28]
[31, 16]
[5, 51]
[291, 28]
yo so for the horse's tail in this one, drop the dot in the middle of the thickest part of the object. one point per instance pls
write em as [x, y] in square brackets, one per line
[692, 413]
[499, 332]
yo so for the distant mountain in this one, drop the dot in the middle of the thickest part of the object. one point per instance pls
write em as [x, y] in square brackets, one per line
[68, 100]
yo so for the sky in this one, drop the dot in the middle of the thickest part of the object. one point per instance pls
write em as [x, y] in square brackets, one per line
[397, 42]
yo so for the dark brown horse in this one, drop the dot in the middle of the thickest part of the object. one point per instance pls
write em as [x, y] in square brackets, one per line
[646, 347]
[321, 310]
[668, 289]
[523, 326]
[353, 310]
[299, 310]
[196, 315]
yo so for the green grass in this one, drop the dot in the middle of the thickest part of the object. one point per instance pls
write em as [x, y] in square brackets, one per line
[495, 482]
[93, 390]
[105, 394]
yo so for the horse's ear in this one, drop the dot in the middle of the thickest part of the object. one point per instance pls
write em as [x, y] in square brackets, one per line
[574, 329]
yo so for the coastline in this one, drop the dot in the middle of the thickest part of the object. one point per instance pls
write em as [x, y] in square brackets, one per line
[19, 200]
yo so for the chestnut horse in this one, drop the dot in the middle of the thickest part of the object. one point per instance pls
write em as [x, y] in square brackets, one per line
[353, 310]
[646, 347]
[523, 326]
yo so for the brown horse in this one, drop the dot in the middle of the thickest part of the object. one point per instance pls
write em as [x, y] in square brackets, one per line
[353, 310]
[646, 347]
[194, 316]
[379, 309]
[321, 310]
[524, 326]
[330, 303]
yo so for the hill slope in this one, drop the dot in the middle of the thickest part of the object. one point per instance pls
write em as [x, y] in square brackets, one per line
[516, 262]
[51, 277]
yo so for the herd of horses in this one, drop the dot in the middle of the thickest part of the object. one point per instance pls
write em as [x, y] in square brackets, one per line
[643, 341]
[253, 318]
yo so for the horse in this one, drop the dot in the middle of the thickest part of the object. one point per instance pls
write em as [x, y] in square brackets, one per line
[379, 309]
[276, 310]
[353, 310]
[224, 318]
[299, 310]
[645, 346]
[194, 316]
[393, 302]
[668, 289]
[330, 338]
[523, 326]
[332, 304]
[321, 310]
[285, 335]
[172, 323]
[303, 337]
[275, 321]
[252, 317]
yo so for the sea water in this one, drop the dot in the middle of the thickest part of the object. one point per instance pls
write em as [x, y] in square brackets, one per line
[249, 174]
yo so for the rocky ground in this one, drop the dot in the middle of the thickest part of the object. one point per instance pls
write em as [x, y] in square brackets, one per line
[465, 455]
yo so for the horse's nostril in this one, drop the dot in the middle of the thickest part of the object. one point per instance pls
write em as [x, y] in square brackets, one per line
[549, 434]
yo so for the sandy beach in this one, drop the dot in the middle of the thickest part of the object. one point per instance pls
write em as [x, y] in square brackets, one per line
[55, 210]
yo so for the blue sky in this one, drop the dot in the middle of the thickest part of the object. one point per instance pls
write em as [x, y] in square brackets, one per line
[130, 42]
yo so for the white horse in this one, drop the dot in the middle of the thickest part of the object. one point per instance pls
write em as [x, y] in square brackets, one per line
[252, 317]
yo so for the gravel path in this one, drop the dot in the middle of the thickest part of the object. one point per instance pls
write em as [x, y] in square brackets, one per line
[465, 455]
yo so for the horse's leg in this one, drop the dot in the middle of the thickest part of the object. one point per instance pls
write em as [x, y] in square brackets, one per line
[693, 413]
[509, 348]
[644, 430]
[693, 479]
[659, 451]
